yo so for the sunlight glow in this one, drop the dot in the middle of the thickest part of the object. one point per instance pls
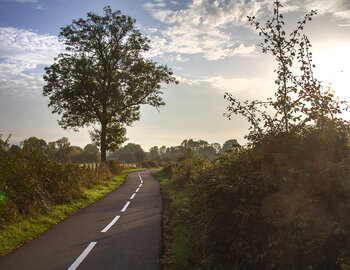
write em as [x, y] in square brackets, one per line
[333, 68]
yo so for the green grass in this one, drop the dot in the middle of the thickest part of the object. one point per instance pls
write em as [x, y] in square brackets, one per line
[15, 235]
[177, 233]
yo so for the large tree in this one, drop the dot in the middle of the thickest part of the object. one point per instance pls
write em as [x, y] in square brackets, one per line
[104, 77]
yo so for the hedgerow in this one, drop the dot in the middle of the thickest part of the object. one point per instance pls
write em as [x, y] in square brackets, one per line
[31, 183]
[283, 204]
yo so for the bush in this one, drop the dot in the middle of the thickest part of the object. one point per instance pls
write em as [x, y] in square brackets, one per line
[187, 170]
[168, 171]
[149, 164]
[283, 204]
[31, 183]
[114, 166]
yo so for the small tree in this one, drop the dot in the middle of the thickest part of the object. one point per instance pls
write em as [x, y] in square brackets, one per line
[33, 143]
[130, 153]
[300, 100]
[91, 148]
[229, 145]
[154, 153]
[104, 77]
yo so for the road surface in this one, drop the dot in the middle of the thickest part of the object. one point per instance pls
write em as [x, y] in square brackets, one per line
[120, 231]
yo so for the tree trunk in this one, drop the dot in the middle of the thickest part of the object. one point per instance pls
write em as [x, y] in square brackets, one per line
[103, 142]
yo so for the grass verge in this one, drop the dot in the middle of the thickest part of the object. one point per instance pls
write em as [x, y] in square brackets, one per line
[176, 230]
[15, 235]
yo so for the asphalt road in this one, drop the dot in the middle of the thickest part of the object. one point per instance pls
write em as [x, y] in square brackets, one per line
[120, 231]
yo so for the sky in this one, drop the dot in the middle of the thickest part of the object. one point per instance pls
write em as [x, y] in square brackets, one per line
[209, 45]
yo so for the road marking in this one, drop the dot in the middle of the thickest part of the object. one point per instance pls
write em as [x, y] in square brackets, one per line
[140, 185]
[137, 190]
[110, 224]
[125, 206]
[132, 196]
[82, 256]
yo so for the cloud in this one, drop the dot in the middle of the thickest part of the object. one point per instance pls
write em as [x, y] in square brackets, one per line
[24, 1]
[214, 28]
[339, 9]
[23, 52]
[203, 27]
[243, 88]
[14, 82]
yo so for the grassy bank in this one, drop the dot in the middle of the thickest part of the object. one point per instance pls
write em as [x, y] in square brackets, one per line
[176, 253]
[15, 235]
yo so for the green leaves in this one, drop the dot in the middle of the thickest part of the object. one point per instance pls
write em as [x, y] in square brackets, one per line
[104, 78]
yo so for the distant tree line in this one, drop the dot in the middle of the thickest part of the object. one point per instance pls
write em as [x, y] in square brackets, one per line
[60, 150]
[133, 153]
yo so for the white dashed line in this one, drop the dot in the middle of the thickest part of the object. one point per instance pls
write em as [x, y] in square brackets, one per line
[125, 206]
[82, 256]
[111, 224]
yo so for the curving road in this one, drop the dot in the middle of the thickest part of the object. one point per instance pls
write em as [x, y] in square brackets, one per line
[120, 231]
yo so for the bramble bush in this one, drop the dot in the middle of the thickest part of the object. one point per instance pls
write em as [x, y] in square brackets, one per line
[31, 183]
[114, 166]
[187, 170]
[149, 164]
[283, 204]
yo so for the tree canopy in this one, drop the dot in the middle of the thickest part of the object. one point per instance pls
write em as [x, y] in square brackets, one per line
[130, 153]
[104, 77]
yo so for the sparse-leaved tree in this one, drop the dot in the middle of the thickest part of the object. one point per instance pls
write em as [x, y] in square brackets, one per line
[104, 77]
[300, 99]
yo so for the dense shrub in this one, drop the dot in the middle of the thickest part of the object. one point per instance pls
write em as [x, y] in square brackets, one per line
[30, 182]
[114, 166]
[186, 170]
[168, 170]
[283, 204]
[149, 164]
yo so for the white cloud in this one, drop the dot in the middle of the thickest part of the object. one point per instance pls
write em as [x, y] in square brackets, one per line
[13, 81]
[157, 4]
[243, 88]
[339, 9]
[203, 27]
[210, 27]
[21, 52]
[28, 46]
[24, 1]
[244, 50]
